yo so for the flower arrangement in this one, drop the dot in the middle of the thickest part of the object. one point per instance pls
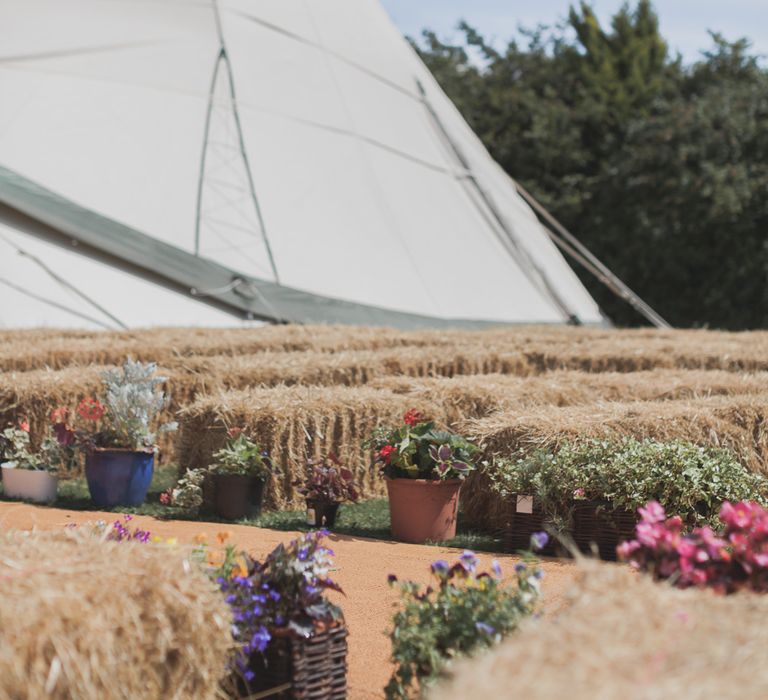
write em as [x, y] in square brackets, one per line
[328, 481]
[287, 591]
[417, 450]
[462, 611]
[122, 418]
[16, 451]
[187, 494]
[241, 456]
[692, 481]
[733, 559]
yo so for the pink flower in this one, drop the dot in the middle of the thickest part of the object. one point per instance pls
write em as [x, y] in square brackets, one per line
[24, 424]
[626, 549]
[738, 516]
[653, 512]
[578, 493]
[59, 415]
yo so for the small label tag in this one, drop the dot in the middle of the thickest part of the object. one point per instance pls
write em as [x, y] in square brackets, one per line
[310, 516]
[525, 504]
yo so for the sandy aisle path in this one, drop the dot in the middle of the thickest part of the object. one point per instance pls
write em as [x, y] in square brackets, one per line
[363, 566]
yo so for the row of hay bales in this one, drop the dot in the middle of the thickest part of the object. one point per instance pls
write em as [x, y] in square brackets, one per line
[303, 391]
[623, 636]
[535, 349]
[501, 413]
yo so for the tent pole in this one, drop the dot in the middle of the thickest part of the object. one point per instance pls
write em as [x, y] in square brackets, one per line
[581, 254]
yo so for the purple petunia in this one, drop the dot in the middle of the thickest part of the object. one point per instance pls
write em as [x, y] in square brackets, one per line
[539, 540]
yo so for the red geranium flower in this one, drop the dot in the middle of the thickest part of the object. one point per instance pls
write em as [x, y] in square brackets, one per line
[90, 409]
[59, 415]
[234, 432]
[165, 498]
[413, 417]
[386, 453]
[24, 424]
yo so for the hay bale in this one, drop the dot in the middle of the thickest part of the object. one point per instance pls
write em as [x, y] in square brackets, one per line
[95, 620]
[735, 422]
[540, 349]
[294, 424]
[27, 350]
[465, 396]
[623, 636]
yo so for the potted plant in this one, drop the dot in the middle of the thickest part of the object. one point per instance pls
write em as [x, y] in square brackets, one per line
[288, 633]
[239, 473]
[424, 469]
[30, 476]
[461, 612]
[589, 491]
[328, 484]
[116, 434]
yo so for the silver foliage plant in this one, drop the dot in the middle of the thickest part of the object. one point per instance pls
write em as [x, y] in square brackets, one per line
[133, 401]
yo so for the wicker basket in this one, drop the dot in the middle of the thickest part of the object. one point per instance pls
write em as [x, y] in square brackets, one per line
[594, 523]
[300, 669]
[517, 535]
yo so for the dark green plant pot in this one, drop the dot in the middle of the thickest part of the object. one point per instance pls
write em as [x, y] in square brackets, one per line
[324, 513]
[238, 496]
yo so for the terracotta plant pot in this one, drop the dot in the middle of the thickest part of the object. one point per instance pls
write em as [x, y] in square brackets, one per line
[237, 496]
[119, 477]
[421, 510]
[29, 484]
[322, 513]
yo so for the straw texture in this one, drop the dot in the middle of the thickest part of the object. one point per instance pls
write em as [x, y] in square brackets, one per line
[293, 424]
[94, 620]
[623, 636]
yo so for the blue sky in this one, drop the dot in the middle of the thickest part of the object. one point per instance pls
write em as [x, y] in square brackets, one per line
[684, 23]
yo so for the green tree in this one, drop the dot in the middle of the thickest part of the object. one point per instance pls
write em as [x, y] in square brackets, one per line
[658, 167]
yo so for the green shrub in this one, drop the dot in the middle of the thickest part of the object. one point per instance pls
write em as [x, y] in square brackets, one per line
[688, 480]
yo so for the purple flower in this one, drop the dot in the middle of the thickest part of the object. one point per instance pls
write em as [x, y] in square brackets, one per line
[468, 560]
[391, 579]
[539, 540]
[520, 567]
[440, 567]
[261, 638]
[496, 568]
[485, 628]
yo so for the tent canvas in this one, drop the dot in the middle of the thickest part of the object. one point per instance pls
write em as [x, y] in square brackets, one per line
[273, 159]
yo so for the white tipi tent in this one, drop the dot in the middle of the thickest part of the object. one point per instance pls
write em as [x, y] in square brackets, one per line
[181, 161]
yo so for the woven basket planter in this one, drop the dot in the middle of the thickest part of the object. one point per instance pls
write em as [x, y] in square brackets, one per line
[301, 669]
[595, 523]
[517, 535]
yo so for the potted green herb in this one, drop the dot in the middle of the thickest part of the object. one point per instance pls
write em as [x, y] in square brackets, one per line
[28, 475]
[328, 484]
[116, 433]
[424, 469]
[240, 470]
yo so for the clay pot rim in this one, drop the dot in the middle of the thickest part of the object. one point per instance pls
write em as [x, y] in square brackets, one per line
[438, 482]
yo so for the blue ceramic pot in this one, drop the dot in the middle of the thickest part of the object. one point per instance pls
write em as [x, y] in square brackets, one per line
[118, 477]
